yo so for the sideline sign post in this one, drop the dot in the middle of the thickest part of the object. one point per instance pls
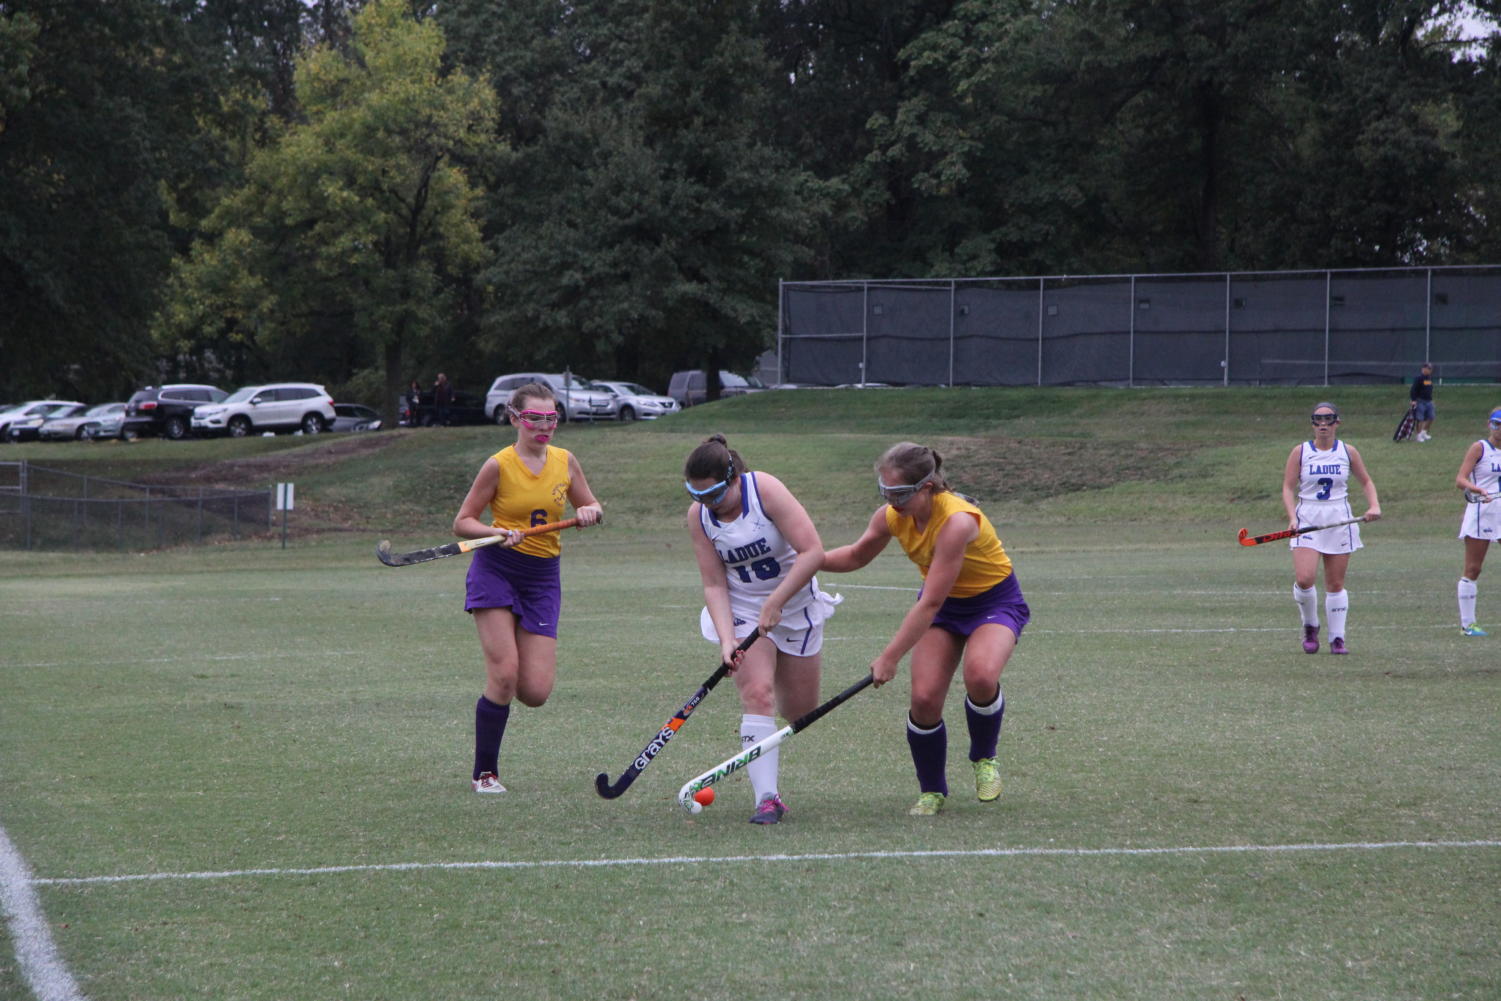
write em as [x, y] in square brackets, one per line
[284, 504]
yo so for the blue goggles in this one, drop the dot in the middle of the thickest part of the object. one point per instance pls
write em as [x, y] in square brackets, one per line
[899, 494]
[709, 495]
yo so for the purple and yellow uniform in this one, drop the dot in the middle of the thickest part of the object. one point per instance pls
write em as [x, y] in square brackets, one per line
[524, 578]
[986, 589]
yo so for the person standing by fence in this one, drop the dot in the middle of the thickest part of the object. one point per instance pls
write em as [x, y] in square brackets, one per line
[1421, 396]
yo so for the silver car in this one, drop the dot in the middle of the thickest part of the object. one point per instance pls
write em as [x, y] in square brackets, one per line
[100, 421]
[633, 401]
[24, 422]
[578, 398]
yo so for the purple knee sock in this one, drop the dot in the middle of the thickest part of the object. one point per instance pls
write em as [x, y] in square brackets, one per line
[489, 728]
[930, 751]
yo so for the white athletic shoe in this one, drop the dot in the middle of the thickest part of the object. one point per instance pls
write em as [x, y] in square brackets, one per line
[488, 782]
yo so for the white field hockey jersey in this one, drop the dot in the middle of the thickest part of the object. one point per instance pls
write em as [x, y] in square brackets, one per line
[756, 555]
[1487, 472]
[1324, 477]
[1483, 521]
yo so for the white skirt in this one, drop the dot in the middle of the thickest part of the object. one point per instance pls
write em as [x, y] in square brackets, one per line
[1329, 541]
[800, 633]
[1481, 521]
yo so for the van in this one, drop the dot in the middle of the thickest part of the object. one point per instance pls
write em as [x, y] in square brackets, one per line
[692, 386]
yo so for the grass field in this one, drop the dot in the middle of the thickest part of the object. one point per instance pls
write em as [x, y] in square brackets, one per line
[240, 772]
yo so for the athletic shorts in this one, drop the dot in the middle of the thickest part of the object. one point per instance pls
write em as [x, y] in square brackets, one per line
[530, 586]
[1328, 541]
[799, 634]
[1002, 605]
[1481, 521]
[1422, 410]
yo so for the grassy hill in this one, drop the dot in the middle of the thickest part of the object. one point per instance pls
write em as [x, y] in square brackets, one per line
[1041, 460]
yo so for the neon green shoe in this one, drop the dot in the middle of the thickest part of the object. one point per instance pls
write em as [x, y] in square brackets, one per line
[1473, 630]
[987, 780]
[928, 804]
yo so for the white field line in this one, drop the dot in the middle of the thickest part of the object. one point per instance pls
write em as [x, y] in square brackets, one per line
[1352, 846]
[41, 967]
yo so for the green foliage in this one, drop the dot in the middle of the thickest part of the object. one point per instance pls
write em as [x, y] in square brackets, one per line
[99, 115]
[269, 188]
[644, 214]
[356, 230]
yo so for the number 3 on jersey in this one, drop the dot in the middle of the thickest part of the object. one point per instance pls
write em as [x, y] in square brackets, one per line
[1325, 486]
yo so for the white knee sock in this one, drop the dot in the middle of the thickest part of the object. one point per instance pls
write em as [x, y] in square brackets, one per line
[1336, 604]
[762, 771]
[1466, 602]
[1308, 604]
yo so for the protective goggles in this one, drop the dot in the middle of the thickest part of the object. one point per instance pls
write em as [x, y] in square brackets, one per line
[709, 495]
[1325, 418]
[535, 418]
[899, 494]
[1495, 418]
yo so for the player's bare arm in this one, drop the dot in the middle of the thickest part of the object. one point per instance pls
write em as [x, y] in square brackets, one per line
[948, 560]
[864, 549]
[585, 506]
[471, 521]
[800, 533]
[716, 587]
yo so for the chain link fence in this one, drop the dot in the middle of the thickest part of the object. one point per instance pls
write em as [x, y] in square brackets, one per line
[42, 508]
[1266, 328]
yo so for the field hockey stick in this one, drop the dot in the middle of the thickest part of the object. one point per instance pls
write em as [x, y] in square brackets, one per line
[608, 790]
[1289, 533]
[732, 765]
[390, 559]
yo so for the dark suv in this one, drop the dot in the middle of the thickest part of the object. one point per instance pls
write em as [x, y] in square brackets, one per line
[166, 410]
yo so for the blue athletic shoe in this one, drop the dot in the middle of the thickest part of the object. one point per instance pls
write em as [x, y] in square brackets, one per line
[770, 810]
[1473, 630]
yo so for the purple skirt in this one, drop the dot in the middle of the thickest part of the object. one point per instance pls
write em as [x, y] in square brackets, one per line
[530, 586]
[1002, 605]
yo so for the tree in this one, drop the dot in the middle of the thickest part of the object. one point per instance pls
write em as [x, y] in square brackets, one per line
[356, 230]
[642, 217]
[99, 106]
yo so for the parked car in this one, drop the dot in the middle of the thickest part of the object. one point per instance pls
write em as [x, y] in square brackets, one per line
[581, 400]
[692, 387]
[466, 408]
[27, 427]
[101, 421]
[633, 400]
[166, 411]
[275, 406]
[354, 417]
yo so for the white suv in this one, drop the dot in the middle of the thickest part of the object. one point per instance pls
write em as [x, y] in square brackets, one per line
[581, 399]
[277, 406]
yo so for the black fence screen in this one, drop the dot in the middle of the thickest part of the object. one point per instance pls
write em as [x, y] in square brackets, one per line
[1272, 328]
